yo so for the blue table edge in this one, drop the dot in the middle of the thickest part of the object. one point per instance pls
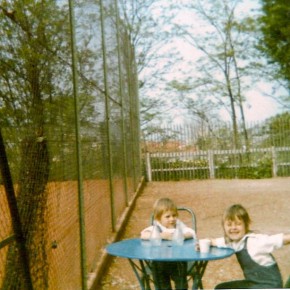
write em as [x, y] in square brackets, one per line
[227, 252]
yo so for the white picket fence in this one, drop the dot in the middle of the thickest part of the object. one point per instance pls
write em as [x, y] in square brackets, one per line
[209, 157]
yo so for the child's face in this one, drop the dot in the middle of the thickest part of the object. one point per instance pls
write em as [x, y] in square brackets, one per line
[168, 219]
[234, 229]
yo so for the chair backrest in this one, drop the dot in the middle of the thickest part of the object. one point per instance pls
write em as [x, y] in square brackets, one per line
[186, 214]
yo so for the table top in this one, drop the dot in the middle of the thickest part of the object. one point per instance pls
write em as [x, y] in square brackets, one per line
[143, 250]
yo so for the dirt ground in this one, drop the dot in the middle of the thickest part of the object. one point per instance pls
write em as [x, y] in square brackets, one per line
[267, 201]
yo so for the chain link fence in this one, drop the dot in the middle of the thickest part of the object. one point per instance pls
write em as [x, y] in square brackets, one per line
[72, 141]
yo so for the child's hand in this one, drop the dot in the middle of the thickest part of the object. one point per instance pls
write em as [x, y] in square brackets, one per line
[166, 236]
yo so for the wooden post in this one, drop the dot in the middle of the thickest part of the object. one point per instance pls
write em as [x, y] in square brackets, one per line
[211, 164]
[274, 162]
[148, 167]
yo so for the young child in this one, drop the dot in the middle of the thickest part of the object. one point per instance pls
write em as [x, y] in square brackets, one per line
[165, 215]
[253, 251]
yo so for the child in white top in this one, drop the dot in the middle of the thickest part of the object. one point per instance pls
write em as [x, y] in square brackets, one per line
[166, 232]
[253, 251]
[165, 215]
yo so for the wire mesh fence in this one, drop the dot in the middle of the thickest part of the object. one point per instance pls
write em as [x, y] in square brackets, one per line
[72, 183]
[194, 152]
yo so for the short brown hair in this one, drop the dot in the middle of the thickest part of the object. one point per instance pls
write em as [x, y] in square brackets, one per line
[162, 205]
[237, 211]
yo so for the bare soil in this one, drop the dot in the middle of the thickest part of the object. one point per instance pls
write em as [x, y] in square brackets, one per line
[267, 201]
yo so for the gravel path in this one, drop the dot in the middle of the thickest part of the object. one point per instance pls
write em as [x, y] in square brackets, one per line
[268, 203]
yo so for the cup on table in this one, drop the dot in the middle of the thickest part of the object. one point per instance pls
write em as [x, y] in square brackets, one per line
[204, 245]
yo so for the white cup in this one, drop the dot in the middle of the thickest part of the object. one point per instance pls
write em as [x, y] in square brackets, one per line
[204, 245]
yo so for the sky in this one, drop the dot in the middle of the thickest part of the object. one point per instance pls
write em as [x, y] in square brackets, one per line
[261, 107]
[258, 106]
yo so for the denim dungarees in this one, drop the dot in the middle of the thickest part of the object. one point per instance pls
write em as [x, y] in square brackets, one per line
[258, 276]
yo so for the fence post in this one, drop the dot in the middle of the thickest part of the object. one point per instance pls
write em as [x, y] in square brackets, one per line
[81, 206]
[274, 162]
[148, 167]
[211, 164]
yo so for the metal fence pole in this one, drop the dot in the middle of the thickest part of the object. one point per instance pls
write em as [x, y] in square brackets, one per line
[108, 126]
[121, 92]
[78, 149]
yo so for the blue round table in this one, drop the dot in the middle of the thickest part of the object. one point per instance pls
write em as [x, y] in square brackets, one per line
[144, 253]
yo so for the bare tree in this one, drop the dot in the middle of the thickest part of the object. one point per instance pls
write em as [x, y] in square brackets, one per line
[148, 37]
[227, 60]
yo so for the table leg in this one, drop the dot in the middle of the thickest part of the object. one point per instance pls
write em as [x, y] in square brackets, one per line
[141, 274]
[196, 272]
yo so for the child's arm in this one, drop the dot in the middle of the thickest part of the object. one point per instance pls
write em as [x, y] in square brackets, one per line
[286, 239]
[145, 234]
[188, 235]
[218, 242]
[213, 242]
[166, 235]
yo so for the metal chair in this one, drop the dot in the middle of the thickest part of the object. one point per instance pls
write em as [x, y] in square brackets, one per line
[188, 217]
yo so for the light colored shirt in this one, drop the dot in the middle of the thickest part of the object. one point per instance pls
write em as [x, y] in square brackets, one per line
[259, 246]
[184, 228]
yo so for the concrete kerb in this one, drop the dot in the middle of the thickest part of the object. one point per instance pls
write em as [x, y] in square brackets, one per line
[94, 278]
